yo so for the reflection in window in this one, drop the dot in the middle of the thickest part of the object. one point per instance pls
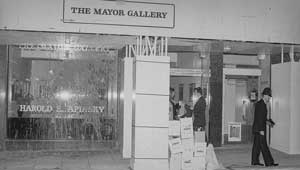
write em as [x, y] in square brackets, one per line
[61, 99]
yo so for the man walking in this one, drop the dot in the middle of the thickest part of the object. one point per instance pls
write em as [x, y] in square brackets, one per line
[199, 110]
[259, 131]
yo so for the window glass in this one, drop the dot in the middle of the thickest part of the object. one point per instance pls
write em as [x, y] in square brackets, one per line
[61, 96]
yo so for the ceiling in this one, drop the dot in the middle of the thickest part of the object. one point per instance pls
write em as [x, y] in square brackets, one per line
[119, 41]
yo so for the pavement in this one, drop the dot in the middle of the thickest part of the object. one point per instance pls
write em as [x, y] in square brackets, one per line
[239, 157]
[84, 160]
[232, 157]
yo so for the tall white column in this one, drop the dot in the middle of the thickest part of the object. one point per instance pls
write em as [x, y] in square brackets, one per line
[151, 79]
[127, 116]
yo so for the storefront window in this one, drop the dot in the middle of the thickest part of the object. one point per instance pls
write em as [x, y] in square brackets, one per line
[69, 95]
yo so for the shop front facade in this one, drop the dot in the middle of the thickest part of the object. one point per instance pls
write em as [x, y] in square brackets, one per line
[64, 65]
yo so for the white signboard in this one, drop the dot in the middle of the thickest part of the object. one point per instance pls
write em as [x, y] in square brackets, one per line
[126, 13]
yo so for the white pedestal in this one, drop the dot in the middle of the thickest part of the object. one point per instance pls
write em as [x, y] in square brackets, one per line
[151, 78]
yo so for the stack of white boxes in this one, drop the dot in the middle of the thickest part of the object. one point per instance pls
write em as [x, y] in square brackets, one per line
[187, 138]
[199, 161]
[175, 145]
[187, 152]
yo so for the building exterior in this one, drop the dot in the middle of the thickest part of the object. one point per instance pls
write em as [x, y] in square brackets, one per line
[51, 46]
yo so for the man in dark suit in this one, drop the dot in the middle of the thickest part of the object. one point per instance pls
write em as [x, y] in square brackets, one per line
[199, 110]
[259, 131]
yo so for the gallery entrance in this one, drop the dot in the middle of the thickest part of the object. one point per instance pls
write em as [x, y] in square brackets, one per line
[240, 96]
[190, 69]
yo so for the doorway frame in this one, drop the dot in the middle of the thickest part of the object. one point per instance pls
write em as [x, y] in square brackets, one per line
[236, 72]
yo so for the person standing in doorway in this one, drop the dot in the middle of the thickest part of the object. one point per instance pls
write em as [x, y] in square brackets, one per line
[171, 103]
[173, 106]
[259, 131]
[199, 110]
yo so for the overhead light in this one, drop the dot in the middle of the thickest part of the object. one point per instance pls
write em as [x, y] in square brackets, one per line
[261, 56]
[263, 53]
[227, 48]
[2, 94]
[203, 54]
[51, 72]
[203, 48]
[64, 95]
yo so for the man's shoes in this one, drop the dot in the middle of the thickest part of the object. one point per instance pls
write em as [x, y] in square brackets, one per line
[273, 164]
[260, 164]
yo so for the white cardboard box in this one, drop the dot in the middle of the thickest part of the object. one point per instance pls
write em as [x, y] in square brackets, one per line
[175, 145]
[186, 128]
[187, 161]
[199, 163]
[188, 145]
[200, 149]
[175, 161]
[174, 128]
[199, 136]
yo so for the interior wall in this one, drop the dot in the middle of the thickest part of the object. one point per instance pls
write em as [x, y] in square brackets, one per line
[241, 95]
[236, 91]
[265, 78]
[229, 103]
[281, 111]
[240, 60]
[255, 20]
[192, 61]
[252, 85]
[295, 109]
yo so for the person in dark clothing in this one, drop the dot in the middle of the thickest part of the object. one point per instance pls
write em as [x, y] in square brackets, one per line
[259, 131]
[199, 111]
[173, 106]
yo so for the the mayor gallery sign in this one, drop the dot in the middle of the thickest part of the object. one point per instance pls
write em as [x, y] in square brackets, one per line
[126, 13]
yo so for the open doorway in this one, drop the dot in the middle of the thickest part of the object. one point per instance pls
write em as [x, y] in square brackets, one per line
[190, 69]
[240, 95]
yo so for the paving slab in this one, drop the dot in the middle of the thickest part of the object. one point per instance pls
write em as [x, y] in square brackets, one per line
[75, 164]
[48, 162]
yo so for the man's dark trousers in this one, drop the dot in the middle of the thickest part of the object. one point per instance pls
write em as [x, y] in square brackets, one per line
[260, 145]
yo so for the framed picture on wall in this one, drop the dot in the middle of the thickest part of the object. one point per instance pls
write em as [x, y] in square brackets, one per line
[234, 131]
